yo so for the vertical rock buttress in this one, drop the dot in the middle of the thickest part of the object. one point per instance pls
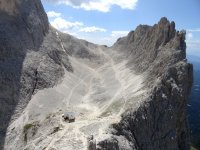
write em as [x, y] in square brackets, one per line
[160, 122]
[23, 25]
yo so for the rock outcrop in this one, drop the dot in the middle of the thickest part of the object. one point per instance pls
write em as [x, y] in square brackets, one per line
[160, 122]
[144, 77]
[31, 58]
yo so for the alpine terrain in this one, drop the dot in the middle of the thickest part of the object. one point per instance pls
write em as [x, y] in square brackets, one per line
[131, 96]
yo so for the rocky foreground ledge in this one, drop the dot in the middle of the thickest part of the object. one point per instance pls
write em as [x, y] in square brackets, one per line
[130, 96]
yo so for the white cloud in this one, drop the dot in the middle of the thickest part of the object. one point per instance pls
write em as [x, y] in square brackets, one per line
[71, 33]
[193, 44]
[99, 5]
[73, 27]
[92, 29]
[53, 14]
[119, 33]
[189, 36]
[80, 30]
[107, 39]
[194, 30]
[63, 25]
[193, 47]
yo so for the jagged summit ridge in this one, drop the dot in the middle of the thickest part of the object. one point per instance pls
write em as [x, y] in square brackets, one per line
[147, 44]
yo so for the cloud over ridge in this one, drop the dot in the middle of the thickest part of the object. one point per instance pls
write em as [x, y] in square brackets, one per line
[99, 5]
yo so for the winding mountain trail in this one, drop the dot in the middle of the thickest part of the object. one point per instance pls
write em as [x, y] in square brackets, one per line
[91, 118]
[98, 94]
[94, 121]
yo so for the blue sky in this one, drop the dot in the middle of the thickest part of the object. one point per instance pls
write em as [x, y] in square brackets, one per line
[103, 21]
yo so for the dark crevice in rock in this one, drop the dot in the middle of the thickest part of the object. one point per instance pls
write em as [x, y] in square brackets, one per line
[35, 82]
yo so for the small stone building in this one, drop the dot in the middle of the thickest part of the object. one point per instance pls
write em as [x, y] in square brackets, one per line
[70, 116]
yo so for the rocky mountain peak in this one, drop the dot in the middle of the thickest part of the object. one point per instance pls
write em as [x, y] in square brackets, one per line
[146, 43]
[162, 32]
[163, 22]
[167, 28]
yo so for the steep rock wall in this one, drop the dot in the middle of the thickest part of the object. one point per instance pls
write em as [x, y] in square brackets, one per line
[160, 122]
[32, 56]
[28, 59]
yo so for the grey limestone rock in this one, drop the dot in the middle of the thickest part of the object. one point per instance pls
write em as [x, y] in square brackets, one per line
[91, 143]
[31, 57]
[160, 122]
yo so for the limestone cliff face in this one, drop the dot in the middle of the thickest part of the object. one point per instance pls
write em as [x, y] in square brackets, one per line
[160, 122]
[28, 59]
[34, 56]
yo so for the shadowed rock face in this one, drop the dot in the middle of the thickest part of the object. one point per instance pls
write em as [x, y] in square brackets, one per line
[132, 95]
[24, 57]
